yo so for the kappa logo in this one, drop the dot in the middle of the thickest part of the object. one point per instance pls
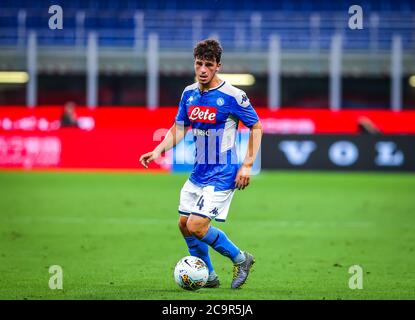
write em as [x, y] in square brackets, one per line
[202, 114]
[244, 100]
[214, 211]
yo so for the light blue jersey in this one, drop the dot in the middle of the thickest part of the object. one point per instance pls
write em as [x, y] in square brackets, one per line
[214, 116]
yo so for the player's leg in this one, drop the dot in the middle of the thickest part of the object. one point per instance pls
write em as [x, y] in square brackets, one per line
[197, 248]
[200, 227]
[218, 240]
[211, 205]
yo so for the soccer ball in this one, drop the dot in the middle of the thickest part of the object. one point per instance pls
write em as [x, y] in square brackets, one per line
[191, 273]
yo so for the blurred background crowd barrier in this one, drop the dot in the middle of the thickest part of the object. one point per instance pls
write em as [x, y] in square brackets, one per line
[122, 66]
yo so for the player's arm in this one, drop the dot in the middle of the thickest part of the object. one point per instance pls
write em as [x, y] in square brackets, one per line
[175, 134]
[244, 174]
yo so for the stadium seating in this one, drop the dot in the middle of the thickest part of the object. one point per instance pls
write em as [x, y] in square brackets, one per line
[239, 24]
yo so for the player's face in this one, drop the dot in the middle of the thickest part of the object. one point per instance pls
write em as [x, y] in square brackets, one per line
[205, 70]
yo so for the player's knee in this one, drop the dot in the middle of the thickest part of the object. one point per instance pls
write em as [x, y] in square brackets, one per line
[196, 229]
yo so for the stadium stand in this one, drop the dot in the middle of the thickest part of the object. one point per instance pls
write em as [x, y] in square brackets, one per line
[240, 24]
[305, 29]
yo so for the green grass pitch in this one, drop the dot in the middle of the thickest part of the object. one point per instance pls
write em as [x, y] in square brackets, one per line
[115, 236]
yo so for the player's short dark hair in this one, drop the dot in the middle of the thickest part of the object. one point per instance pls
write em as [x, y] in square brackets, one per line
[208, 49]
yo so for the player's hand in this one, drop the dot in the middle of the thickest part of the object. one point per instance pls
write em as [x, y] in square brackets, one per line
[243, 177]
[146, 158]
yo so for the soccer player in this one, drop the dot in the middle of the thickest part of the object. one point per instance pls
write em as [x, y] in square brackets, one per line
[212, 108]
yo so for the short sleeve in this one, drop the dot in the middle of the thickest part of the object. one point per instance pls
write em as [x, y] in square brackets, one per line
[243, 110]
[181, 116]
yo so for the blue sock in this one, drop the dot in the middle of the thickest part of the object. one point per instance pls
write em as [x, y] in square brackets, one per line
[199, 249]
[218, 240]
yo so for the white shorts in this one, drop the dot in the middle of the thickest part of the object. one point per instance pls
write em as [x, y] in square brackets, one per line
[204, 201]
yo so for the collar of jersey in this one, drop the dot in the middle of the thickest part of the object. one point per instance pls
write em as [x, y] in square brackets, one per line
[215, 88]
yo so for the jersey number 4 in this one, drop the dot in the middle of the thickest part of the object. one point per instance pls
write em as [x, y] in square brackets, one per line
[200, 203]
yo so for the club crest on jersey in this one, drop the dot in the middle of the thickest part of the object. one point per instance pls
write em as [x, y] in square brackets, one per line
[202, 114]
[220, 102]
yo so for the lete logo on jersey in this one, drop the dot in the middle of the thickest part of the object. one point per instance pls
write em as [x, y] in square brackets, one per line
[202, 114]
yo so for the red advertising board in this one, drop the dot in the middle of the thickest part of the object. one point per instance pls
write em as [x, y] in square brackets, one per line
[323, 121]
[114, 137]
